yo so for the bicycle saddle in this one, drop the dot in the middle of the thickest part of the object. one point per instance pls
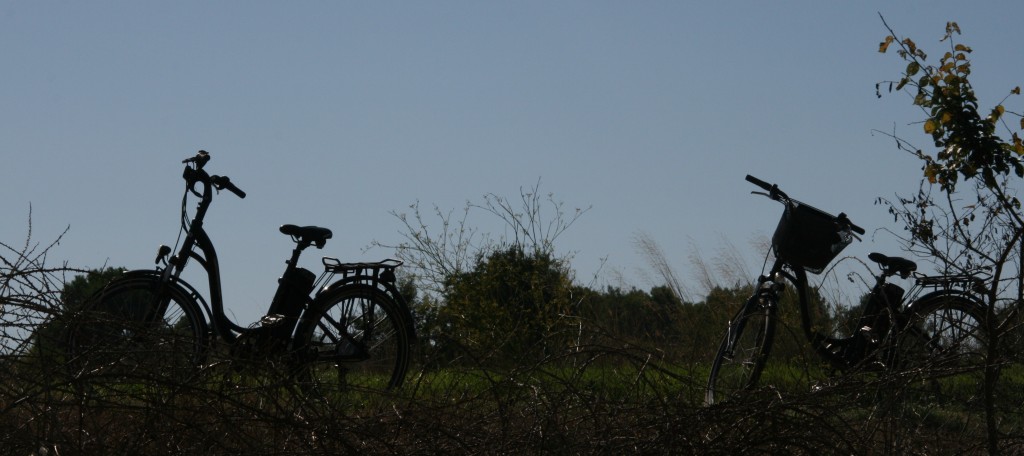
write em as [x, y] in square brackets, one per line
[895, 265]
[308, 234]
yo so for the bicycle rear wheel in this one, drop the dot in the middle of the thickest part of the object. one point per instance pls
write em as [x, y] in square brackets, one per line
[940, 348]
[133, 330]
[355, 338]
[743, 352]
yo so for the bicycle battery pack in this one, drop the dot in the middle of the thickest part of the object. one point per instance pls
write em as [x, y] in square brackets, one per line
[292, 291]
[875, 318]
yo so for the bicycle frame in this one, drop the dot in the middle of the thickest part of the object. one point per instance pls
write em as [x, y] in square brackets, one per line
[772, 284]
[196, 237]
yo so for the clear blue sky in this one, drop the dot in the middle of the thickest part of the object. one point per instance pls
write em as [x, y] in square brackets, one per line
[334, 113]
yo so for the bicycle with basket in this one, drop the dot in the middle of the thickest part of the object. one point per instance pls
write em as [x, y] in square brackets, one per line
[934, 330]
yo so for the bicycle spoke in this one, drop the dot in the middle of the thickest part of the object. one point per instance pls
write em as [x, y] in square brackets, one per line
[360, 340]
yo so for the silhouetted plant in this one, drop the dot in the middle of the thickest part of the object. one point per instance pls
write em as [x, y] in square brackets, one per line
[965, 216]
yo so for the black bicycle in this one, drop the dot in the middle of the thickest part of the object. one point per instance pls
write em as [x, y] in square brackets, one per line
[355, 331]
[936, 327]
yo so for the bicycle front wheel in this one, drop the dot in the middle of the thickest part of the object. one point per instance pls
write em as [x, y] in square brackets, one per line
[136, 329]
[743, 352]
[355, 338]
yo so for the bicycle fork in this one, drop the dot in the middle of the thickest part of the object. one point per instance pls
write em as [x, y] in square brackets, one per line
[765, 298]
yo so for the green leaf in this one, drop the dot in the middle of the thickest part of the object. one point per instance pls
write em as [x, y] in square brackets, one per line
[913, 68]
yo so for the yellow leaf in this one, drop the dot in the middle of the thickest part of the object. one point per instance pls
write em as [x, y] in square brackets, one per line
[946, 117]
[997, 112]
[883, 46]
[929, 126]
[910, 45]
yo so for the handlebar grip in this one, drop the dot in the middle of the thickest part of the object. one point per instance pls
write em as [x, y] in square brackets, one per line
[241, 194]
[224, 183]
[846, 221]
[760, 183]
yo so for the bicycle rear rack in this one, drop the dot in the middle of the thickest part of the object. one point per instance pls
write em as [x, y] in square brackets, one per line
[969, 282]
[379, 271]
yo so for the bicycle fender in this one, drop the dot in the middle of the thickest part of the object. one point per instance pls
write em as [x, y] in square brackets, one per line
[956, 294]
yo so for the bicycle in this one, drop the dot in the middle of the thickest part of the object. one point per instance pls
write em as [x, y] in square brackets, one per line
[937, 326]
[354, 331]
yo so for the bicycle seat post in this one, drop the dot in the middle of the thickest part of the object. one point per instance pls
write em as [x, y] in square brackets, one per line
[296, 252]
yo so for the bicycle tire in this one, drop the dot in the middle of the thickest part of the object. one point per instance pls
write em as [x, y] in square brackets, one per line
[354, 338]
[132, 330]
[743, 352]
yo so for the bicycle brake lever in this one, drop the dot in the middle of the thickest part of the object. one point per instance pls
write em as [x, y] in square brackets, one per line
[200, 159]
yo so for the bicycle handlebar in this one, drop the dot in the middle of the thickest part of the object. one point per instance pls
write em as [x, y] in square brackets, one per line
[198, 175]
[778, 195]
[772, 189]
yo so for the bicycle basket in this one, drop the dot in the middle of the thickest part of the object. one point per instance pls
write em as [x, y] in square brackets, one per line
[808, 237]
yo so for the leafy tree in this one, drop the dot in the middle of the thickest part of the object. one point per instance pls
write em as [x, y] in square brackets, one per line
[48, 335]
[451, 263]
[509, 304]
[653, 320]
[82, 286]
